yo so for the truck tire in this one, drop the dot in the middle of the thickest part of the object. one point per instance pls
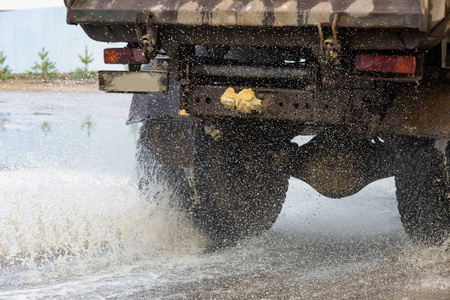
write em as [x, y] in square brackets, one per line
[157, 181]
[239, 189]
[423, 190]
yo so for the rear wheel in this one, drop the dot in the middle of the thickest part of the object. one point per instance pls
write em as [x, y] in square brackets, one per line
[235, 187]
[423, 190]
[157, 181]
[239, 185]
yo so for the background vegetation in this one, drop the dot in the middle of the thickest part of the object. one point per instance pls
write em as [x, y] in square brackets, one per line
[45, 70]
[5, 71]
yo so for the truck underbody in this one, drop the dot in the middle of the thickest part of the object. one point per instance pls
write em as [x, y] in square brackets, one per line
[227, 85]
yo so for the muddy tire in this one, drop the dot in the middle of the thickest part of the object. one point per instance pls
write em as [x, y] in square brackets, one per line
[155, 178]
[239, 188]
[423, 190]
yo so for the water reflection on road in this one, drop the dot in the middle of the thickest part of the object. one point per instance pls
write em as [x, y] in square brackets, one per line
[67, 131]
[72, 224]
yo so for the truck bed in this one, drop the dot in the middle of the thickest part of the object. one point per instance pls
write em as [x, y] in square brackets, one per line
[365, 18]
[279, 13]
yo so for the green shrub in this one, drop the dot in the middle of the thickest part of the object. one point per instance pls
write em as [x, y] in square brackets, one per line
[80, 73]
[45, 69]
[84, 73]
[87, 59]
[5, 71]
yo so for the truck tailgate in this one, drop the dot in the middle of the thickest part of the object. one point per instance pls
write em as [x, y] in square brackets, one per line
[413, 14]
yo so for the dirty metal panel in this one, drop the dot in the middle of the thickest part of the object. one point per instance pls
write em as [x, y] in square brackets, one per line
[252, 71]
[171, 142]
[423, 110]
[132, 82]
[276, 13]
[281, 104]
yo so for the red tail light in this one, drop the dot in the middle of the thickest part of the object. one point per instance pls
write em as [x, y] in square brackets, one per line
[385, 63]
[133, 56]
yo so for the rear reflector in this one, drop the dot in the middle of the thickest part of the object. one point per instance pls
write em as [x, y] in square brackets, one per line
[133, 56]
[385, 63]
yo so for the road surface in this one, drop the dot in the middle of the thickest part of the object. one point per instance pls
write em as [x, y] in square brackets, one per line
[73, 226]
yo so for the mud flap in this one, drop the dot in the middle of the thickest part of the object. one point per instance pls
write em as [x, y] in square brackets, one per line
[171, 142]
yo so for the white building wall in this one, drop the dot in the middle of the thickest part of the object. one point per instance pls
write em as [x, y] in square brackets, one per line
[23, 33]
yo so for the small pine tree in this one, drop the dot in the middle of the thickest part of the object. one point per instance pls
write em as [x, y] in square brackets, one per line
[5, 71]
[45, 70]
[87, 59]
[84, 73]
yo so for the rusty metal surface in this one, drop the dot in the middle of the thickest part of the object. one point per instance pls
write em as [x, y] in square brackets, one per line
[310, 107]
[280, 104]
[132, 82]
[422, 111]
[277, 13]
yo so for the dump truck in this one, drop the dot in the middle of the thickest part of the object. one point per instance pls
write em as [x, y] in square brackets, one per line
[223, 86]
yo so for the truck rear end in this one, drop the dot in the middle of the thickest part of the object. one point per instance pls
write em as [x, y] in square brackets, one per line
[291, 53]
[252, 74]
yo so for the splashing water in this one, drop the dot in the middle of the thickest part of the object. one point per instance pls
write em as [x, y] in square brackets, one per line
[73, 205]
[66, 219]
